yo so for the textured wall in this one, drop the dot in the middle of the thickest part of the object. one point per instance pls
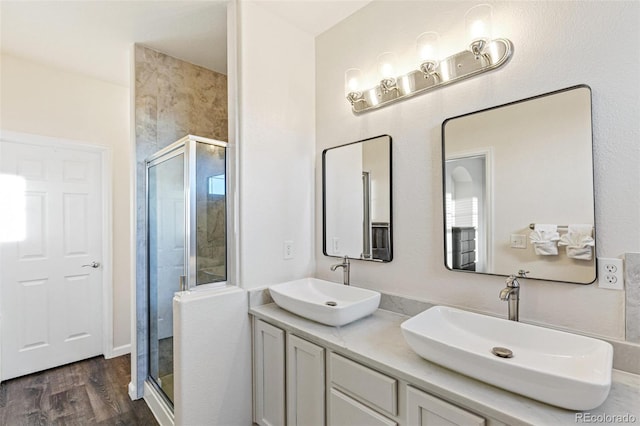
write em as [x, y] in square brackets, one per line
[41, 100]
[275, 147]
[173, 98]
[550, 54]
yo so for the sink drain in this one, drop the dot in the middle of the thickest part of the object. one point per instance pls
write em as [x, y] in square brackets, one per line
[502, 352]
[331, 303]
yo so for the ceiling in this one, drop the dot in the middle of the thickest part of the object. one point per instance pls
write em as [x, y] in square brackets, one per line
[313, 16]
[94, 37]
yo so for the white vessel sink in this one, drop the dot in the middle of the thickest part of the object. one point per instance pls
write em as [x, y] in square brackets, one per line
[558, 368]
[325, 302]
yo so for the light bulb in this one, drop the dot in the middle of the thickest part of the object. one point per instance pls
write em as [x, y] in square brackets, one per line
[352, 80]
[478, 23]
[427, 46]
[387, 65]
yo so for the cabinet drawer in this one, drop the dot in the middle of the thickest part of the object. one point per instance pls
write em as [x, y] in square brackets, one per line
[346, 411]
[466, 246]
[362, 382]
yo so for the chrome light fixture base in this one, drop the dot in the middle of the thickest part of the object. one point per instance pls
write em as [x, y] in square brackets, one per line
[354, 97]
[450, 70]
[428, 69]
[387, 85]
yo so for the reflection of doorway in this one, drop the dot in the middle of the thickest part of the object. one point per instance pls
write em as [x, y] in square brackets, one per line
[468, 204]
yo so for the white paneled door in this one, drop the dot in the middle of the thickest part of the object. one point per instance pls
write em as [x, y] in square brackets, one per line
[51, 280]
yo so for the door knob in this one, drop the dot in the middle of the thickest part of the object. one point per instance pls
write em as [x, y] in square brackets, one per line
[93, 265]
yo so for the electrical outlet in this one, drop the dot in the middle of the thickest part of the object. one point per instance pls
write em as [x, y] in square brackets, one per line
[610, 274]
[288, 249]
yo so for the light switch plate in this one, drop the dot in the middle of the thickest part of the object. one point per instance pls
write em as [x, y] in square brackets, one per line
[518, 241]
[335, 243]
[288, 249]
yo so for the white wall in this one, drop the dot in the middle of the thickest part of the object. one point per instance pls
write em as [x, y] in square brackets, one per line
[213, 331]
[42, 100]
[557, 44]
[275, 146]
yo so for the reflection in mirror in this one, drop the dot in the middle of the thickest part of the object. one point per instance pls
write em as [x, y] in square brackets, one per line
[356, 181]
[518, 189]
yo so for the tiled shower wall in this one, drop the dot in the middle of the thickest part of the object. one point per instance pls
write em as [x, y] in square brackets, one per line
[173, 98]
[632, 288]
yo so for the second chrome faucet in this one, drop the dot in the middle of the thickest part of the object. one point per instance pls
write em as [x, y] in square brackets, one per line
[346, 266]
[511, 294]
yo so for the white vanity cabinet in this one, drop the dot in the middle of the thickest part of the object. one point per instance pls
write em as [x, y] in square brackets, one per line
[300, 383]
[289, 378]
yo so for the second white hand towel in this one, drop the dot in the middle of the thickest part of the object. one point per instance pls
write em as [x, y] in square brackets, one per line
[578, 241]
[544, 239]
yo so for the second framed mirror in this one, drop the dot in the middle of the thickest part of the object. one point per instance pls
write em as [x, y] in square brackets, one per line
[357, 213]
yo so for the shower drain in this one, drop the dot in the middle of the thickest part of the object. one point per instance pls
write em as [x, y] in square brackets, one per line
[502, 352]
[331, 303]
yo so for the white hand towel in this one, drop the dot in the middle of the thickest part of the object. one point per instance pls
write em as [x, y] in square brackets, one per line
[544, 239]
[578, 241]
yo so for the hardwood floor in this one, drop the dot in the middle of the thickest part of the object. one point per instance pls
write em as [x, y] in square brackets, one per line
[89, 392]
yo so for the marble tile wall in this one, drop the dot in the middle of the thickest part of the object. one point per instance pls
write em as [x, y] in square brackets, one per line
[632, 289]
[173, 98]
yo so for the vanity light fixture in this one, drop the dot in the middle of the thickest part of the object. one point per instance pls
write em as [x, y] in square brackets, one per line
[483, 54]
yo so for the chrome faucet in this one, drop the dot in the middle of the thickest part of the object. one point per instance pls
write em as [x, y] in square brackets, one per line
[346, 266]
[511, 294]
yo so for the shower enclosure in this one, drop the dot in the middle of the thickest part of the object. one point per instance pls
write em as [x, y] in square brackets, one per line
[186, 237]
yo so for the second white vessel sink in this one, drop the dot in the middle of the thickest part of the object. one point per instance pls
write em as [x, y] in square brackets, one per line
[325, 302]
[555, 367]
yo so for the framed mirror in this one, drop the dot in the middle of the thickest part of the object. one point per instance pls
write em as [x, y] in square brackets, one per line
[518, 189]
[356, 200]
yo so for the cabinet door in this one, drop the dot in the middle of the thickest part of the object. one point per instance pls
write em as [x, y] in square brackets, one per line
[268, 347]
[424, 409]
[346, 411]
[305, 383]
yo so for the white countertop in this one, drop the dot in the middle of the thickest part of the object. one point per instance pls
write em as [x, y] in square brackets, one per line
[377, 341]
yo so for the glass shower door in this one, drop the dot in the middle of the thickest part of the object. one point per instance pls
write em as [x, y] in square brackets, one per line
[166, 239]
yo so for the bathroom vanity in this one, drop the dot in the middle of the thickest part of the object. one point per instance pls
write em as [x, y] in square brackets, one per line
[365, 373]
